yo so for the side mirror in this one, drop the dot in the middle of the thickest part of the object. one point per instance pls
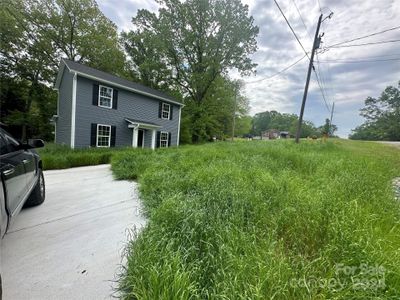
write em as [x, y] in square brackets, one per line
[36, 143]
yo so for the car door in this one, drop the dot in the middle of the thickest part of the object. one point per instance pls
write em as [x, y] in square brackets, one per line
[13, 172]
[28, 160]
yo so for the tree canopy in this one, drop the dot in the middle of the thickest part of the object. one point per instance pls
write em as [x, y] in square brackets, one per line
[382, 117]
[35, 35]
[190, 46]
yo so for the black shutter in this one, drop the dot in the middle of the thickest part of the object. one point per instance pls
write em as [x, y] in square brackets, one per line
[93, 135]
[169, 139]
[158, 139]
[171, 109]
[113, 136]
[95, 99]
[159, 109]
[115, 99]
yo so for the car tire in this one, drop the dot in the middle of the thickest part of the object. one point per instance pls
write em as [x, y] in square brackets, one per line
[38, 193]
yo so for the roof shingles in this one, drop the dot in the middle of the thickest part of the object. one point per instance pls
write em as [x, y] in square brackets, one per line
[91, 72]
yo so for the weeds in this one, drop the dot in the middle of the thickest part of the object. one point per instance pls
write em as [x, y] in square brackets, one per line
[264, 220]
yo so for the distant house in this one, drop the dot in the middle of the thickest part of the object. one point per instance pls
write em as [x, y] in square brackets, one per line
[98, 109]
[272, 134]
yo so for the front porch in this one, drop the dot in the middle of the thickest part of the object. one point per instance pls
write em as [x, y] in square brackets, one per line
[143, 133]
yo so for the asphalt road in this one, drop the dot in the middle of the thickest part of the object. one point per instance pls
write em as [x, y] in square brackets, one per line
[71, 246]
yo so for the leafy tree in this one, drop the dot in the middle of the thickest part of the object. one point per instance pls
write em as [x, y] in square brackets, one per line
[35, 34]
[214, 115]
[190, 45]
[327, 128]
[262, 121]
[382, 116]
[243, 125]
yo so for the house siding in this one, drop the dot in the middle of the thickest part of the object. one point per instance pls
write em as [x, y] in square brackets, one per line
[130, 105]
[63, 123]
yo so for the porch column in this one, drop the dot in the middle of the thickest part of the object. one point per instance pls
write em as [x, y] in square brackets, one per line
[153, 139]
[135, 136]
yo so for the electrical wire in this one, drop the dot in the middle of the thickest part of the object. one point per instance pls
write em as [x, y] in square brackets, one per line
[322, 78]
[322, 91]
[301, 18]
[280, 72]
[291, 28]
[364, 44]
[357, 61]
[365, 36]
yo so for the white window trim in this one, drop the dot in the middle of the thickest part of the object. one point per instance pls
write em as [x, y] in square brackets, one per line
[111, 99]
[161, 134]
[163, 110]
[97, 136]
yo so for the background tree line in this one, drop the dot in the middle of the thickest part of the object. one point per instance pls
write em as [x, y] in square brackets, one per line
[382, 117]
[288, 122]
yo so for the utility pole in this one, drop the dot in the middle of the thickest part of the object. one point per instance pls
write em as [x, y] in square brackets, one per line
[330, 121]
[315, 46]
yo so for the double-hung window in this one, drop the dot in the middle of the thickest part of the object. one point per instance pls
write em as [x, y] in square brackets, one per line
[103, 135]
[163, 139]
[105, 96]
[165, 110]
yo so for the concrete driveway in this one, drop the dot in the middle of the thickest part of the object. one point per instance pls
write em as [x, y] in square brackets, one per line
[71, 246]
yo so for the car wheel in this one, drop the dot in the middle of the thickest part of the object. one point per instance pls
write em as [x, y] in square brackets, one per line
[38, 193]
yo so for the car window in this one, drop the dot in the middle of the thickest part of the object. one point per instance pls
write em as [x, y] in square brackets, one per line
[3, 146]
[12, 144]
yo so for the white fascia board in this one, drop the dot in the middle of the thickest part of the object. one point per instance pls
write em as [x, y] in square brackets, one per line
[127, 88]
[60, 74]
[135, 125]
[73, 111]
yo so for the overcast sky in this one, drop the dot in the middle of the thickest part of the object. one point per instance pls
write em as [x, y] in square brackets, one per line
[347, 84]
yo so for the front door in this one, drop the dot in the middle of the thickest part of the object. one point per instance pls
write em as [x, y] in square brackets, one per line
[140, 142]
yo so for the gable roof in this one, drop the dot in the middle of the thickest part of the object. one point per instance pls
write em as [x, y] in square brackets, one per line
[104, 77]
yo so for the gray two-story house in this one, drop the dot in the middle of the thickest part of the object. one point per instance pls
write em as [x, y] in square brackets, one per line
[98, 109]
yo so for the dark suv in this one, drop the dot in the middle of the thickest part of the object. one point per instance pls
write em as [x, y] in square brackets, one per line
[22, 181]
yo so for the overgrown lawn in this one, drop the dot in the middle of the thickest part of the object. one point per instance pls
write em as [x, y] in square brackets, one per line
[62, 157]
[265, 220]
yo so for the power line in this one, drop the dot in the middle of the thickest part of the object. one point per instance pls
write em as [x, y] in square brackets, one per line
[291, 28]
[369, 57]
[322, 78]
[357, 61]
[280, 72]
[301, 18]
[365, 36]
[364, 44]
[322, 91]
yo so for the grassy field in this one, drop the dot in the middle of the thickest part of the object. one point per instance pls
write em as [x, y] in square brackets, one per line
[265, 220]
[62, 157]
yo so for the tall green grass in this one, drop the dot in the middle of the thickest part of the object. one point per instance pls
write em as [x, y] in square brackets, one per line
[62, 157]
[264, 221]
